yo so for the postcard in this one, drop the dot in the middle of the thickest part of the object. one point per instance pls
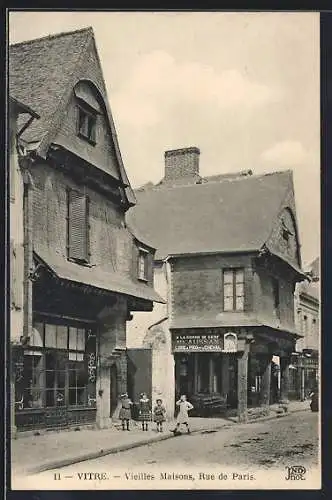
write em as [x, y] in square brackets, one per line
[164, 250]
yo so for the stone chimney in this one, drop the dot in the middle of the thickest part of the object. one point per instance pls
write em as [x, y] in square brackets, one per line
[182, 164]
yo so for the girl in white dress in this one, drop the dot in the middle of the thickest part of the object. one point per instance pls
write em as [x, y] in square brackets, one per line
[183, 417]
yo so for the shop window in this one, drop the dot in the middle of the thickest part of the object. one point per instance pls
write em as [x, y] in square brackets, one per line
[55, 370]
[78, 245]
[33, 380]
[143, 265]
[233, 289]
[78, 381]
[86, 124]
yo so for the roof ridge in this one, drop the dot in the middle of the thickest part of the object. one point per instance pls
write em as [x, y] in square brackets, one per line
[160, 186]
[51, 37]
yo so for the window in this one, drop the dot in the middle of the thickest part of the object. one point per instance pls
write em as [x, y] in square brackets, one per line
[233, 281]
[57, 375]
[86, 124]
[78, 245]
[78, 381]
[33, 380]
[305, 324]
[142, 265]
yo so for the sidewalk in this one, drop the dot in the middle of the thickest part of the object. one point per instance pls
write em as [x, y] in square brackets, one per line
[32, 454]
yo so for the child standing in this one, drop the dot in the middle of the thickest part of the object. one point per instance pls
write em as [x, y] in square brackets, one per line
[159, 412]
[125, 411]
[183, 417]
[144, 411]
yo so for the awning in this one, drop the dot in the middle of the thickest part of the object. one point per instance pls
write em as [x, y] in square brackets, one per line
[97, 278]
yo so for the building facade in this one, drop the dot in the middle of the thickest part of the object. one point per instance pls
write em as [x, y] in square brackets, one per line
[228, 255]
[85, 271]
[307, 315]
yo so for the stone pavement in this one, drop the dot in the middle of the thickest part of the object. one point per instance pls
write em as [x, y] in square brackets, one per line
[37, 453]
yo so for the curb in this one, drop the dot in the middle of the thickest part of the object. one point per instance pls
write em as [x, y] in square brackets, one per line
[117, 449]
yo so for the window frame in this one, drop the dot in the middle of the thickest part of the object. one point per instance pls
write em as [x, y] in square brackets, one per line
[90, 118]
[142, 252]
[234, 283]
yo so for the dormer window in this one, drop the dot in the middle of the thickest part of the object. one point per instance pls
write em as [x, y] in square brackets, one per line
[86, 124]
[142, 265]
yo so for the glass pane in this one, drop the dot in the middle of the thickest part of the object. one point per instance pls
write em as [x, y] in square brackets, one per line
[72, 356]
[61, 379]
[82, 376]
[50, 335]
[37, 335]
[228, 303]
[80, 339]
[81, 395]
[239, 303]
[72, 338]
[239, 289]
[72, 396]
[72, 378]
[228, 276]
[50, 397]
[228, 290]
[239, 276]
[62, 337]
[79, 356]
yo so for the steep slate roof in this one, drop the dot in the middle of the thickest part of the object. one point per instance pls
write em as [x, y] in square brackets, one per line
[39, 72]
[232, 215]
[42, 73]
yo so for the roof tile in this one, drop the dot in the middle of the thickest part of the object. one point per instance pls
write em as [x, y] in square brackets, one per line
[232, 215]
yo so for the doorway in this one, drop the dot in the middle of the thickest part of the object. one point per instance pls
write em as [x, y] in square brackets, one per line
[113, 389]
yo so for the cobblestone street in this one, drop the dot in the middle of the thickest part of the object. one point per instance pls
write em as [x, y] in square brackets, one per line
[244, 453]
[268, 444]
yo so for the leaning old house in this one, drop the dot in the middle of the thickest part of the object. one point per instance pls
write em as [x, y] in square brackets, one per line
[84, 271]
[227, 259]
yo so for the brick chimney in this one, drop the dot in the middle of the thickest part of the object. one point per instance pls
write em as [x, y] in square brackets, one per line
[182, 164]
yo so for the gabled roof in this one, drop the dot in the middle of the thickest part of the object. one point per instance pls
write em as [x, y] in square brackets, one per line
[42, 74]
[39, 73]
[236, 214]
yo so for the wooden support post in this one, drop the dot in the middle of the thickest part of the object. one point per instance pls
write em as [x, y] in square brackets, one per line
[266, 382]
[285, 378]
[225, 375]
[242, 383]
[211, 373]
[195, 388]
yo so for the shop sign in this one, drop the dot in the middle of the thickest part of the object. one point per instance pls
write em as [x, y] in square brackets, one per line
[198, 343]
[230, 342]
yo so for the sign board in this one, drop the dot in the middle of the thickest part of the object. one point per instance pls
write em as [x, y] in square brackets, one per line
[230, 342]
[198, 343]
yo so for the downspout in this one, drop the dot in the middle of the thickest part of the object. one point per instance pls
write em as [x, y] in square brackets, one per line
[169, 288]
[25, 161]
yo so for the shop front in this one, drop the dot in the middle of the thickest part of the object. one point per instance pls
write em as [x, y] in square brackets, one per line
[206, 368]
[221, 370]
[55, 376]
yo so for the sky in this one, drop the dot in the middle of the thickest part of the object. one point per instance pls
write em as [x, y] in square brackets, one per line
[242, 87]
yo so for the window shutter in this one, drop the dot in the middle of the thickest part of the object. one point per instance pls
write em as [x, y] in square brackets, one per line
[78, 241]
